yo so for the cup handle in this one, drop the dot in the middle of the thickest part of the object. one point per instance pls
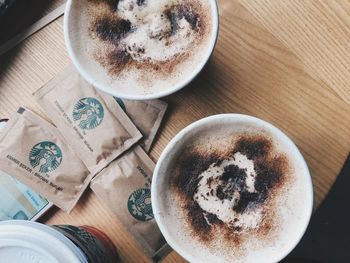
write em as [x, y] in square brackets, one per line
[161, 253]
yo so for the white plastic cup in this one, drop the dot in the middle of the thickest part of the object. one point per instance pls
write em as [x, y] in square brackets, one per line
[31, 242]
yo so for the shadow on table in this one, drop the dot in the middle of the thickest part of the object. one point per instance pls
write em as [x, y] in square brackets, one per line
[53, 210]
[300, 260]
[82, 205]
[18, 17]
[327, 238]
[204, 84]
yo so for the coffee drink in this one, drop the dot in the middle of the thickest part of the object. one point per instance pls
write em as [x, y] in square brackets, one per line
[154, 44]
[233, 193]
[151, 35]
[232, 190]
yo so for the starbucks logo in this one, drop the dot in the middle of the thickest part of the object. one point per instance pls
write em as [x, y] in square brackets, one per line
[121, 103]
[46, 155]
[89, 112]
[139, 204]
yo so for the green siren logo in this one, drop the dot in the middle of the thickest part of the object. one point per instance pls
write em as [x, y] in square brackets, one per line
[139, 204]
[46, 155]
[89, 112]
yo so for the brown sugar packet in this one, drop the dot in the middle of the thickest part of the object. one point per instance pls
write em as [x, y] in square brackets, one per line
[35, 153]
[145, 114]
[96, 133]
[124, 186]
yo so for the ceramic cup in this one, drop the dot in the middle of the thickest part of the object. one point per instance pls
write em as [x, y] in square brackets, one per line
[76, 25]
[171, 217]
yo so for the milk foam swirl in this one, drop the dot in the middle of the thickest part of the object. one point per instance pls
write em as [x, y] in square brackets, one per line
[153, 35]
[211, 201]
[161, 29]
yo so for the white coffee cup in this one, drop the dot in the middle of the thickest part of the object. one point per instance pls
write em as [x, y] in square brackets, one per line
[75, 24]
[167, 212]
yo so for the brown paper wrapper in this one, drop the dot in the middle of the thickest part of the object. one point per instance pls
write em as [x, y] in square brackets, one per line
[124, 186]
[34, 152]
[147, 116]
[96, 133]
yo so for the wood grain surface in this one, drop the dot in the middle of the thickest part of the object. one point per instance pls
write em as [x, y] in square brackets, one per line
[287, 62]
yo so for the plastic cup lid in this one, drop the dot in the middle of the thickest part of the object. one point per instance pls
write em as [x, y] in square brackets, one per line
[25, 241]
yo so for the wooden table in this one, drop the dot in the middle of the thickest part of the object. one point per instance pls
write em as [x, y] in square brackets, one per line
[287, 62]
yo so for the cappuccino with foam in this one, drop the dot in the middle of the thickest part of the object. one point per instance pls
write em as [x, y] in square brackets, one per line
[142, 44]
[232, 192]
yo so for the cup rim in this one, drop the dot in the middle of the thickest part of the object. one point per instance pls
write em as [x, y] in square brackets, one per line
[95, 82]
[25, 234]
[168, 150]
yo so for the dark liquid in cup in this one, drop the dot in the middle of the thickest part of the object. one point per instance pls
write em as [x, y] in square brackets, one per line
[96, 245]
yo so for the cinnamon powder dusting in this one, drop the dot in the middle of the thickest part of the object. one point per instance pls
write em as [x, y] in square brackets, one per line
[110, 28]
[271, 175]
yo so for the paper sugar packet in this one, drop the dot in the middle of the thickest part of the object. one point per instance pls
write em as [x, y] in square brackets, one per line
[34, 152]
[92, 126]
[125, 187]
[147, 116]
